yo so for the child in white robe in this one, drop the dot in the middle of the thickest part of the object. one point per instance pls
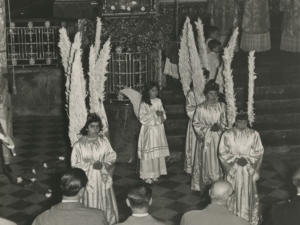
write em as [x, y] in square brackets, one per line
[212, 34]
[191, 138]
[241, 152]
[152, 145]
[214, 58]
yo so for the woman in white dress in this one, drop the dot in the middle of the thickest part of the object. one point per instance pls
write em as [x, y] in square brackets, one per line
[152, 145]
[209, 122]
[93, 154]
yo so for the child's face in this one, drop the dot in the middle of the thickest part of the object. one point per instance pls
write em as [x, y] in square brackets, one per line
[93, 129]
[215, 35]
[153, 93]
[217, 49]
[241, 124]
[212, 95]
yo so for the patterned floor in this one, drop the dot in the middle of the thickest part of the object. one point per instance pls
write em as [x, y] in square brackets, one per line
[43, 140]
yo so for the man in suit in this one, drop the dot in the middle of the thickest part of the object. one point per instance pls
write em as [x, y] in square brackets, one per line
[216, 212]
[287, 212]
[139, 199]
[70, 211]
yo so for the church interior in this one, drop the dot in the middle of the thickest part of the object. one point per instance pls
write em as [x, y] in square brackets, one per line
[142, 38]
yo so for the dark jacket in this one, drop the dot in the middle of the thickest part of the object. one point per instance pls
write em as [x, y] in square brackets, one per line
[146, 220]
[212, 215]
[71, 213]
[287, 212]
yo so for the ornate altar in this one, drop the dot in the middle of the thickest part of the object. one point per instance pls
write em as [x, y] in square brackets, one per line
[129, 7]
[124, 129]
[75, 9]
[133, 70]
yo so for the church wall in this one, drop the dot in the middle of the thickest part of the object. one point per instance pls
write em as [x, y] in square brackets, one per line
[40, 92]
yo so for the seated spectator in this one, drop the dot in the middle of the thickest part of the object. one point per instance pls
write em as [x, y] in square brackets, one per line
[139, 199]
[287, 212]
[215, 213]
[6, 222]
[70, 211]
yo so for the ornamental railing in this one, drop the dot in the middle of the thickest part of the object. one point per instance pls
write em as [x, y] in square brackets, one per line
[132, 70]
[33, 45]
[38, 45]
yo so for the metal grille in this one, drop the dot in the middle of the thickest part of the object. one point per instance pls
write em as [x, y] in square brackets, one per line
[33, 45]
[131, 70]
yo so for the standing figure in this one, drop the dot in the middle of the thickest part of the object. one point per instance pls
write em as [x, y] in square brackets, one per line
[152, 145]
[241, 154]
[209, 122]
[191, 139]
[212, 34]
[225, 15]
[94, 155]
[214, 58]
[256, 26]
[290, 38]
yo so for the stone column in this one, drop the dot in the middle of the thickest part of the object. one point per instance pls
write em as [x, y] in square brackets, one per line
[3, 60]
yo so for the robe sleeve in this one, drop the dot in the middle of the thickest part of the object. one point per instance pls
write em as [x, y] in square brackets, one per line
[198, 123]
[108, 162]
[77, 161]
[257, 150]
[40, 219]
[109, 159]
[163, 118]
[148, 117]
[190, 104]
[227, 158]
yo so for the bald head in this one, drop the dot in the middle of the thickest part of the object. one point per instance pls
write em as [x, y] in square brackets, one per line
[220, 191]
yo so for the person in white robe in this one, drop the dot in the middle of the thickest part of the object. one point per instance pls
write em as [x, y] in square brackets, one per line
[191, 139]
[93, 154]
[214, 58]
[152, 145]
[241, 153]
[209, 122]
[212, 34]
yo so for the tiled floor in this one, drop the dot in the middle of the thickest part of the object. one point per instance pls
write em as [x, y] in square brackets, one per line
[43, 140]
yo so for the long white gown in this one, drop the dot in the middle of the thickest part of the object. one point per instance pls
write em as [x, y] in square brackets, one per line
[100, 195]
[152, 146]
[191, 139]
[235, 144]
[207, 168]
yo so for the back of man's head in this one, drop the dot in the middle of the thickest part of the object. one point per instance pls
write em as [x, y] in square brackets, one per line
[296, 177]
[73, 181]
[220, 192]
[139, 196]
[212, 44]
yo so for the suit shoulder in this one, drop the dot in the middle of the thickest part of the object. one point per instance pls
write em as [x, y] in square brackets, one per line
[6, 222]
[192, 213]
[281, 205]
[42, 217]
[93, 211]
